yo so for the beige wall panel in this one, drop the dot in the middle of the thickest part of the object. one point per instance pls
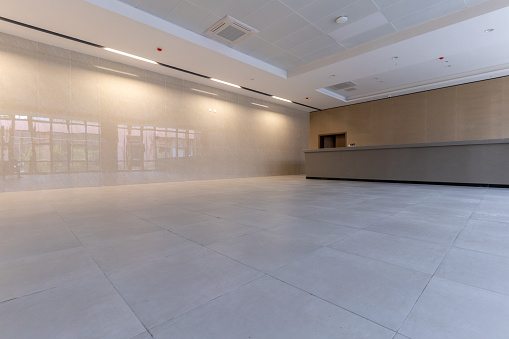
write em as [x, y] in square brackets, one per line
[409, 120]
[85, 91]
[474, 111]
[382, 123]
[54, 89]
[441, 115]
[500, 104]
[18, 80]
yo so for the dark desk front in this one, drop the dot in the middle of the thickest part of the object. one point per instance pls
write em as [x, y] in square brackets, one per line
[477, 162]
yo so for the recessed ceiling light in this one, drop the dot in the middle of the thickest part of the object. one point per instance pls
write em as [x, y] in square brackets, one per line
[129, 55]
[224, 82]
[394, 57]
[114, 70]
[199, 90]
[254, 103]
[275, 97]
[445, 61]
[489, 30]
[342, 19]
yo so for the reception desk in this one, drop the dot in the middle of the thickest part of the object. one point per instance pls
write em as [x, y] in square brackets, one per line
[474, 162]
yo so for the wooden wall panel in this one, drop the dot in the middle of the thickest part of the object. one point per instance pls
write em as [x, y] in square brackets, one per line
[441, 114]
[474, 111]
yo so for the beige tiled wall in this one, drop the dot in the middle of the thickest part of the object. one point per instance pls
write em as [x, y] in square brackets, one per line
[474, 111]
[38, 81]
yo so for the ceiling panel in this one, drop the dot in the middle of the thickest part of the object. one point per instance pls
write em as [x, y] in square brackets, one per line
[239, 9]
[267, 15]
[207, 4]
[312, 45]
[266, 52]
[283, 60]
[371, 35]
[187, 15]
[428, 14]
[299, 37]
[321, 8]
[206, 23]
[324, 52]
[354, 12]
[294, 63]
[131, 2]
[407, 7]
[283, 27]
[295, 5]
[157, 7]
[470, 3]
[386, 3]
[251, 44]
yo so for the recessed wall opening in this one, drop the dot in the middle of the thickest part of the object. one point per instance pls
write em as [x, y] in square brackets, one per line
[332, 140]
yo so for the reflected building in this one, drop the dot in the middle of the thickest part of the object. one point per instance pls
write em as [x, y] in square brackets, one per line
[40, 145]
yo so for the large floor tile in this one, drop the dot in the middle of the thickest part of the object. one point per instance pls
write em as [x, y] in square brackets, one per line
[485, 236]
[268, 308]
[352, 218]
[144, 335]
[89, 213]
[151, 210]
[382, 204]
[28, 218]
[262, 219]
[493, 212]
[453, 310]
[439, 229]
[23, 239]
[265, 250]
[164, 288]
[131, 251]
[375, 290]
[318, 232]
[180, 218]
[474, 268]
[206, 233]
[37, 273]
[415, 254]
[99, 232]
[444, 209]
[89, 309]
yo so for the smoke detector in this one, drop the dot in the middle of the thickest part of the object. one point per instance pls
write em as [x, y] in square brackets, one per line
[230, 31]
[342, 19]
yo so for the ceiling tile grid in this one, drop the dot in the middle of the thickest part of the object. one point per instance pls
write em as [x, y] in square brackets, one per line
[296, 32]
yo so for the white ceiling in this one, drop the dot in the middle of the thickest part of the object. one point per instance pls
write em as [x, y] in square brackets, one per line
[299, 50]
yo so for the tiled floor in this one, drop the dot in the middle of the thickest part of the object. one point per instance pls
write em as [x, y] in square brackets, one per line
[275, 257]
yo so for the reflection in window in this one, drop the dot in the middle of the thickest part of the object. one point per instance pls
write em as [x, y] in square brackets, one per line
[147, 148]
[39, 145]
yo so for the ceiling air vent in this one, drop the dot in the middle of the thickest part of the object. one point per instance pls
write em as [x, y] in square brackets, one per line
[351, 89]
[342, 86]
[230, 30]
